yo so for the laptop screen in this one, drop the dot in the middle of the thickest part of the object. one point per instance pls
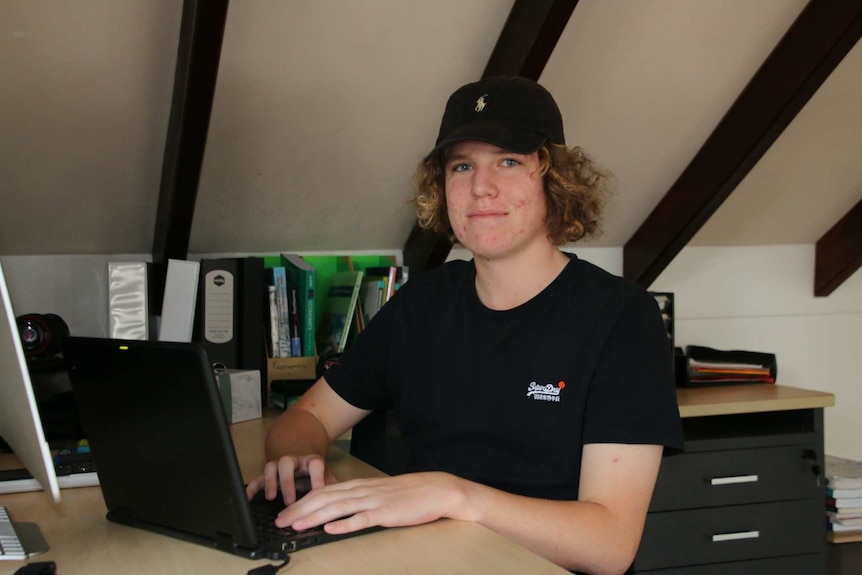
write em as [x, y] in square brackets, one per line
[160, 440]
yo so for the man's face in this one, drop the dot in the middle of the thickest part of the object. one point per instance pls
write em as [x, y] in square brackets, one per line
[496, 199]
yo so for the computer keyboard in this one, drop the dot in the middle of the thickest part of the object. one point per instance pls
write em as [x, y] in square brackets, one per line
[10, 544]
[9, 485]
[73, 470]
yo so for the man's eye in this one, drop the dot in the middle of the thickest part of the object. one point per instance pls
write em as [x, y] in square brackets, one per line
[510, 162]
[460, 167]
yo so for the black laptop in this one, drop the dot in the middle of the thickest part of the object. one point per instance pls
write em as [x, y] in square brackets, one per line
[159, 437]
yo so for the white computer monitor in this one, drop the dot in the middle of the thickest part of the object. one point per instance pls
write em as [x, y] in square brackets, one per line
[20, 425]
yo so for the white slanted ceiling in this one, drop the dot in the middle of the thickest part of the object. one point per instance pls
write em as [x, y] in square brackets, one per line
[322, 109]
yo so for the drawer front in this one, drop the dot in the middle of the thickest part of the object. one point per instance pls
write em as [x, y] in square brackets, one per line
[732, 533]
[739, 476]
[798, 565]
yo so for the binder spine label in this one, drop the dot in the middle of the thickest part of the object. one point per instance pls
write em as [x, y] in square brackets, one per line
[218, 306]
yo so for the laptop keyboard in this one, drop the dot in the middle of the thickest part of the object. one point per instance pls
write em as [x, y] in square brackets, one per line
[10, 546]
[263, 514]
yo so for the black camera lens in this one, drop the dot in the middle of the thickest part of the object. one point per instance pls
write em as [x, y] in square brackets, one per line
[31, 336]
[41, 334]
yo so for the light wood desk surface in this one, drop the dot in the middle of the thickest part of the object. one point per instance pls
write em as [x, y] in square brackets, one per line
[752, 398]
[83, 542]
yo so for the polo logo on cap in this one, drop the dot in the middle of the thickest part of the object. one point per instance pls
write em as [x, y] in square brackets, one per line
[480, 103]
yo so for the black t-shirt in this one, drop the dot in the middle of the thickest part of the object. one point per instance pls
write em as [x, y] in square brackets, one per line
[509, 398]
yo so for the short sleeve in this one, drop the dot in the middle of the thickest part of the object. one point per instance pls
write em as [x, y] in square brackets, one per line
[632, 398]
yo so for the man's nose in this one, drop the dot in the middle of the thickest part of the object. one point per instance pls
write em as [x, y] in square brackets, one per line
[484, 182]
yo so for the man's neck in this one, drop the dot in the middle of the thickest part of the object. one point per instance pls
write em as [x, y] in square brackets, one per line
[509, 282]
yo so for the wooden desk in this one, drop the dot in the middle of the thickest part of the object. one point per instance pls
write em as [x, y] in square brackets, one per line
[83, 542]
[754, 398]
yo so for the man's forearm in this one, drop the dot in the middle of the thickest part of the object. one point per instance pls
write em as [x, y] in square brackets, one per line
[302, 429]
[574, 534]
[296, 432]
[600, 533]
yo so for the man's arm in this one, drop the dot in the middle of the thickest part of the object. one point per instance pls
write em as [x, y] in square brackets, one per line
[598, 534]
[297, 442]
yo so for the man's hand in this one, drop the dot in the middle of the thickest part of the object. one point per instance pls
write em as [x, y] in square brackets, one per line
[282, 476]
[402, 500]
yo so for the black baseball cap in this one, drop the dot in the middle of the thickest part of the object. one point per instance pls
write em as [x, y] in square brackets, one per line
[514, 113]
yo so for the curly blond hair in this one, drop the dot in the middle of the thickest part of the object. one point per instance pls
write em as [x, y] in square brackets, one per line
[575, 188]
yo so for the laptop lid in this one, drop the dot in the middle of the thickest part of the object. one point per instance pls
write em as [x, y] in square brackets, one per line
[160, 440]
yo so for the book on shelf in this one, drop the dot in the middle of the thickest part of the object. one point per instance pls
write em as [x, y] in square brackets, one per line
[229, 318]
[294, 328]
[840, 528]
[358, 315]
[303, 276]
[340, 309]
[842, 495]
[281, 315]
[372, 296]
[845, 517]
[128, 300]
[843, 473]
[179, 301]
[327, 265]
[218, 310]
[844, 503]
[381, 283]
[253, 301]
[272, 336]
[393, 277]
[389, 275]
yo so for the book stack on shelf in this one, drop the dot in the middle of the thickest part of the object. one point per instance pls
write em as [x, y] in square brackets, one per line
[342, 299]
[291, 320]
[324, 297]
[843, 498]
[379, 285]
[283, 314]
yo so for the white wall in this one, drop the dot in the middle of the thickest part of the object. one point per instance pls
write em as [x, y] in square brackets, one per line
[73, 287]
[751, 298]
[762, 299]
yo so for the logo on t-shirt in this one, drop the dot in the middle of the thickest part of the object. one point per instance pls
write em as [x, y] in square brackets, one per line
[547, 392]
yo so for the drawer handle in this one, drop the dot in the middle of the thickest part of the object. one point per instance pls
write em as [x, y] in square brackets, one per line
[735, 536]
[734, 479]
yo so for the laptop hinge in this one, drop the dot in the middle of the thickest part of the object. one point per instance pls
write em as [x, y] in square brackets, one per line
[224, 542]
[121, 515]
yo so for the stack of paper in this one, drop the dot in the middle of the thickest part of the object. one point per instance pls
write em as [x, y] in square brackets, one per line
[708, 366]
[843, 494]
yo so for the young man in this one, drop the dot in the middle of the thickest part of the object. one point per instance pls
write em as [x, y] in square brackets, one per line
[533, 390]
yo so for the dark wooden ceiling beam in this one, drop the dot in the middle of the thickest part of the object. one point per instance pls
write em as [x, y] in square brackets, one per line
[526, 42]
[817, 41]
[201, 34]
[528, 39]
[838, 254]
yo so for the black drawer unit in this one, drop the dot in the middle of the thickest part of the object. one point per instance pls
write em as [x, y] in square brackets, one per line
[791, 565]
[733, 477]
[746, 496]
